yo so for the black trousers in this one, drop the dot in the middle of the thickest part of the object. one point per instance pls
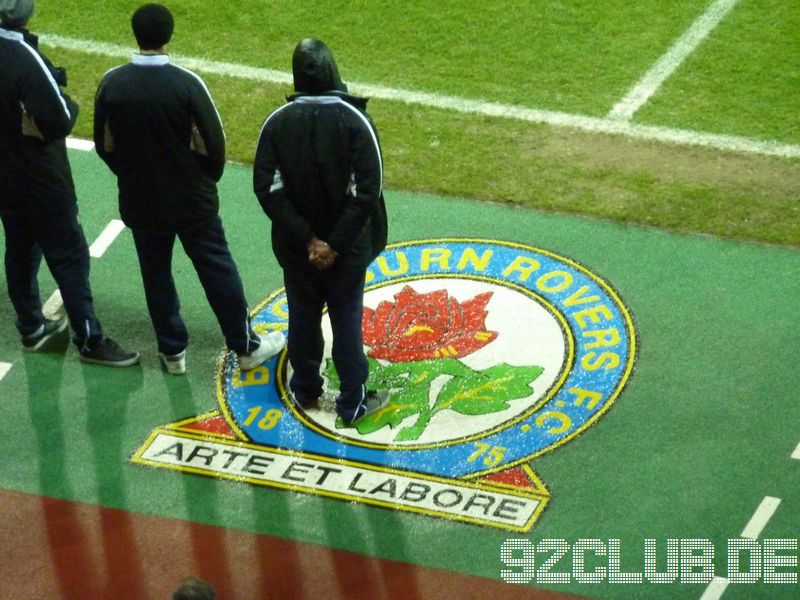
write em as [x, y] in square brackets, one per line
[207, 248]
[307, 292]
[60, 239]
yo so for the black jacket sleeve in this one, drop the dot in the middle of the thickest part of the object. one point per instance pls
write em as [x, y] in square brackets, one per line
[364, 191]
[53, 112]
[208, 134]
[103, 141]
[271, 194]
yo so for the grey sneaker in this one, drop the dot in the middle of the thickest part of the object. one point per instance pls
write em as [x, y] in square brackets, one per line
[373, 401]
[174, 364]
[302, 402]
[46, 332]
[270, 345]
[108, 353]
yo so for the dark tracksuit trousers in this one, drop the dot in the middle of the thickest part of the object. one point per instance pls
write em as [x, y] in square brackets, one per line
[207, 248]
[59, 238]
[308, 290]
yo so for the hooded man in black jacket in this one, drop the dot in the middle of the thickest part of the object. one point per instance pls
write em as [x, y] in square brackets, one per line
[318, 174]
[38, 205]
[157, 128]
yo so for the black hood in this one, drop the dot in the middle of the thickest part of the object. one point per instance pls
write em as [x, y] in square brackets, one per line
[314, 68]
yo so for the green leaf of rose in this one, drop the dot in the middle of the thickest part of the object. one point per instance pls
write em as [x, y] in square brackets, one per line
[423, 372]
[408, 402]
[485, 392]
[410, 383]
[380, 377]
[401, 375]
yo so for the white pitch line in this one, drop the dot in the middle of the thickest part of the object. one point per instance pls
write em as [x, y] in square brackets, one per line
[669, 62]
[4, 369]
[715, 589]
[53, 305]
[762, 515]
[751, 531]
[199, 64]
[464, 105]
[105, 239]
[78, 144]
[796, 453]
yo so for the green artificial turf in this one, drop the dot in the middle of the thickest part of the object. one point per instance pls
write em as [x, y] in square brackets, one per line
[689, 449]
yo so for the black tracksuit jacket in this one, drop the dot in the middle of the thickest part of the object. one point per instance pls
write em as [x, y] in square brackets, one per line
[157, 128]
[318, 172]
[35, 176]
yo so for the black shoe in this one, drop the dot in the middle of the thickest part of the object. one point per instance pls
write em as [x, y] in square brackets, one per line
[302, 402]
[107, 352]
[372, 403]
[49, 330]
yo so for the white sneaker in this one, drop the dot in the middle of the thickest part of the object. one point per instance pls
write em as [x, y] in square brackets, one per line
[175, 364]
[271, 344]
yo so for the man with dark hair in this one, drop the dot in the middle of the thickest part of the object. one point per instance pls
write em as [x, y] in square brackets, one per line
[318, 175]
[152, 26]
[156, 127]
[193, 588]
[38, 205]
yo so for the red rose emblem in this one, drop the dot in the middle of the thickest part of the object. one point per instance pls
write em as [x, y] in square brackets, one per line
[425, 326]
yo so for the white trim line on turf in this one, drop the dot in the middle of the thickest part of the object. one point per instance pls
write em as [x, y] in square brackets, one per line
[796, 453]
[762, 515]
[715, 589]
[464, 105]
[669, 62]
[4, 369]
[105, 239]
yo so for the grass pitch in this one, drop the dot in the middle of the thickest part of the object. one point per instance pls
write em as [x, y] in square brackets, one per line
[579, 59]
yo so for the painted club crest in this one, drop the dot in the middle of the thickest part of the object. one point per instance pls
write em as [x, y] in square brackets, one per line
[494, 353]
